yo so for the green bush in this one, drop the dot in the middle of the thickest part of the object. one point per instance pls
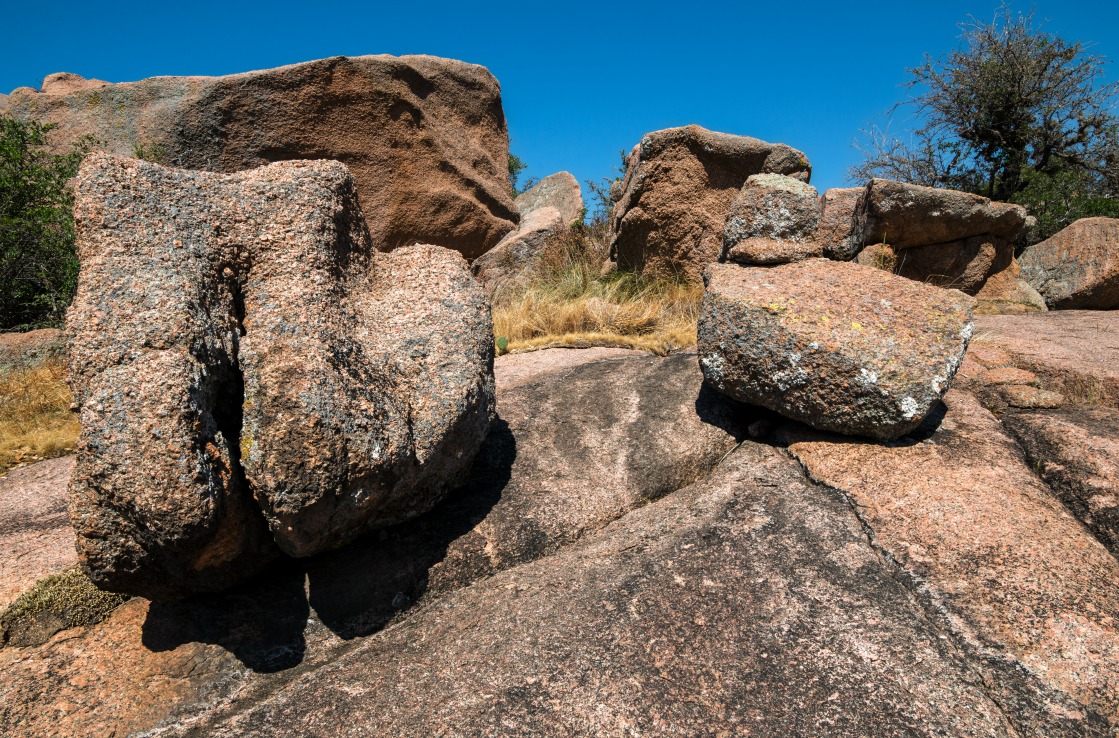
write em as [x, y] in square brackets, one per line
[38, 265]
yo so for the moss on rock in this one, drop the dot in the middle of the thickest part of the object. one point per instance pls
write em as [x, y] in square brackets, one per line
[57, 602]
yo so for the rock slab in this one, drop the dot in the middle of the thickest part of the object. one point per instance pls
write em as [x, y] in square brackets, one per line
[424, 137]
[837, 345]
[237, 347]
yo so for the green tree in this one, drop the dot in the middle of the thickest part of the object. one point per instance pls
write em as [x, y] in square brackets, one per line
[38, 265]
[1013, 113]
[516, 167]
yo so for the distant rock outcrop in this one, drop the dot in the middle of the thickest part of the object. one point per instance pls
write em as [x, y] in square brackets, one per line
[238, 347]
[836, 345]
[547, 212]
[678, 187]
[1077, 268]
[424, 137]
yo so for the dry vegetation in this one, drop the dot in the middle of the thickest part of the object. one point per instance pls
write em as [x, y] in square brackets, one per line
[35, 418]
[572, 303]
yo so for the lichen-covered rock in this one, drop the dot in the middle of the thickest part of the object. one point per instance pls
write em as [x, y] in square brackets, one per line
[773, 220]
[837, 345]
[232, 349]
[678, 187]
[1077, 268]
[907, 215]
[424, 137]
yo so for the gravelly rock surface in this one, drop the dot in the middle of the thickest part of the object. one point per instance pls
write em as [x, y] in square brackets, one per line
[425, 137]
[272, 358]
[837, 345]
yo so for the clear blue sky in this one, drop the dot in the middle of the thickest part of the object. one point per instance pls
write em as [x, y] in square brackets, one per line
[580, 81]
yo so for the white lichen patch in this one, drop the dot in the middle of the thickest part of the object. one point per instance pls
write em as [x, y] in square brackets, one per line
[909, 408]
[714, 365]
[868, 377]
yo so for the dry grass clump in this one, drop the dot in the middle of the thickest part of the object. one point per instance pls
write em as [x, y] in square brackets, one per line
[35, 418]
[571, 303]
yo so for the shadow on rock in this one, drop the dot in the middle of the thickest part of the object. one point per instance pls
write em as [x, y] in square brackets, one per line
[357, 589]
[260, 623]
[353, 591]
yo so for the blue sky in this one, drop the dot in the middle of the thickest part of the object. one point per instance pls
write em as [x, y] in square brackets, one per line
[580, 81]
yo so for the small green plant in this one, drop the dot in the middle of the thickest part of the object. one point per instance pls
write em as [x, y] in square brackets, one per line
[502, 344]
[154, 153]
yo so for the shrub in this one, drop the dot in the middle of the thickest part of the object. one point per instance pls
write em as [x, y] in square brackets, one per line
[38, 266]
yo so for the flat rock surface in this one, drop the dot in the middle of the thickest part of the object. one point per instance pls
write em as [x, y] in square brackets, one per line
[1076, 451]
[750, 603]
[1017, 577]
[1074, 352]
[35, 534]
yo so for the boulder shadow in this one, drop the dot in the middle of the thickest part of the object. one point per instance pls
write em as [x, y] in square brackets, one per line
[354, 591]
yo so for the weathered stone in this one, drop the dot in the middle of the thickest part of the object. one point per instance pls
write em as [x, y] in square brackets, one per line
[1072, 351]
[907, 215]
[749, 603]
[962, 265]
[773, 220]
[633, 425]
[63, 83]
[840, 231]
[270, 358]
[560, 191]
[678, 186]
[837, 345]
[1077, 268]
[1007, 293]
[1076, 452]
[879, 256]
[424, 137]
[1009, 375]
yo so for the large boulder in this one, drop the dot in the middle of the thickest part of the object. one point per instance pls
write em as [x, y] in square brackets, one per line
[1077, 268]
[837, 345]
[678, 187]
[547, 212]
[424, 137]
[907, 215]
[773, 220]
[238, 347]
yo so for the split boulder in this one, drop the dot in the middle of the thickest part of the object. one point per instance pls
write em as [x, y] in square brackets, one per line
[237, 347]
[837, 345]
[773, 220]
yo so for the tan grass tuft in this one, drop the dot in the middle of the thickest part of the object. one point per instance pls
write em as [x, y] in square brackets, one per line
[571, 303]
[35, 418]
